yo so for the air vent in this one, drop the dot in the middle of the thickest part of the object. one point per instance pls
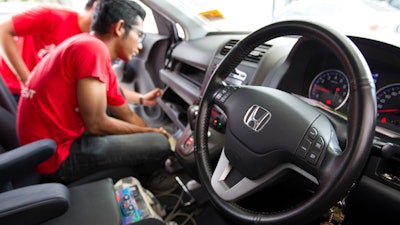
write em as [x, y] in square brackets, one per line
[254, 56]
[228, 46]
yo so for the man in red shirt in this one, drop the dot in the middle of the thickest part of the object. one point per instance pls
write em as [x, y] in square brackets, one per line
[28, 36]
[68, 92]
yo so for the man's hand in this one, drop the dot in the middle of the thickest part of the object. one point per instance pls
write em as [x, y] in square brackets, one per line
[150, 98]
[162, 131]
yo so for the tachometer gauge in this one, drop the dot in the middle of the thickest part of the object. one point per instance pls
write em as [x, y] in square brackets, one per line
[330, 87]
[388, 103]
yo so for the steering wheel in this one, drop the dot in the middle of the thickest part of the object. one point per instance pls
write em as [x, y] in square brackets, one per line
[270, 131]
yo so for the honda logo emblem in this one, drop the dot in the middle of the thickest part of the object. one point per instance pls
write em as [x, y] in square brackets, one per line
[256, 117]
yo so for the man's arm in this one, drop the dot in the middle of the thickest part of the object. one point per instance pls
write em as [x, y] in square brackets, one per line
[92, 103]
[148, 99]
[124, 113]
[10, 53]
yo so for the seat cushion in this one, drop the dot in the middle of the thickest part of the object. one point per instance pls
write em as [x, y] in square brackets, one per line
[33, 204]
[91, 204]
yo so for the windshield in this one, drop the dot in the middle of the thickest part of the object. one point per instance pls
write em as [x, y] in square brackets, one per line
[234, 15]
[376, 19]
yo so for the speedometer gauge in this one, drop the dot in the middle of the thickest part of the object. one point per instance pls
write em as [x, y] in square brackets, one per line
[330, 87]
[388, 103]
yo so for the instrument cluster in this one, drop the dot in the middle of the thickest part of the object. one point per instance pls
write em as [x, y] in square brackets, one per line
[331, 87]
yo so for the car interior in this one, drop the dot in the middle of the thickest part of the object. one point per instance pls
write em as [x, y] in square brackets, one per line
[294, 123]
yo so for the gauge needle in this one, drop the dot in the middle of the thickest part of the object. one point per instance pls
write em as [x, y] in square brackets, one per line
[319, 88]
[387, 110]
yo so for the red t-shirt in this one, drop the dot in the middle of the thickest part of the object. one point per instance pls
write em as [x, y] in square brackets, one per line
[48, 106]
[39, 30]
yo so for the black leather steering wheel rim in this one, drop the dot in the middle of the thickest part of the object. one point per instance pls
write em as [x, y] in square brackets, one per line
[361, 124]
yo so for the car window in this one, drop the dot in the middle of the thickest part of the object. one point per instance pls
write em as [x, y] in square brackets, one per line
[149, 25]
[377, 19]
[9, 8]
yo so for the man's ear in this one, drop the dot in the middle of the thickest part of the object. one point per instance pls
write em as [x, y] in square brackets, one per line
[119, 28]
[94, 5]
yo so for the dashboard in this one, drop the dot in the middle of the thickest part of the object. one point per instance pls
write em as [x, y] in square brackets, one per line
[306, 69]
[302, 67]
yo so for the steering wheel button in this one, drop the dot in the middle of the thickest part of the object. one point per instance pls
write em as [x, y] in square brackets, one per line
[218, 96]
[317, 148]
[315, 151]
[312, 157]
[303, 148]
[312, 133]
[319, 144]
[224, 97]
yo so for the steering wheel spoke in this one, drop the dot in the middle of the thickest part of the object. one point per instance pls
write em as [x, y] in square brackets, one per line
[231, 186]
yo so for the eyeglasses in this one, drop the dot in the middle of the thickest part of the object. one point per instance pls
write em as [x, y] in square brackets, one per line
[139, 32]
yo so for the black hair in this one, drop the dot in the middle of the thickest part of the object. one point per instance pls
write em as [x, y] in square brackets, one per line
[109, 12]
[89, 4]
